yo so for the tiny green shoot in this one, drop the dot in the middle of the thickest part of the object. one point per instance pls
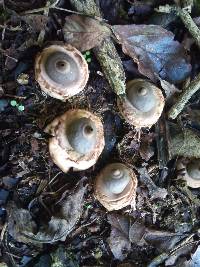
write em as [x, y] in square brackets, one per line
[14, 103]
[87, 56]
[21, 108]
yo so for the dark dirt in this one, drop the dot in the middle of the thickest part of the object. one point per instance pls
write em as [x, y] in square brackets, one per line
[31, 181]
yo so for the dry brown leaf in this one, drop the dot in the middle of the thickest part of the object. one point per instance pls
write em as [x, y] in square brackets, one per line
[119, 241]
[170, 89]
[36, 22]
[154, 50]
[155, 192]
[60, 225]
[83, 32]
[146, 149]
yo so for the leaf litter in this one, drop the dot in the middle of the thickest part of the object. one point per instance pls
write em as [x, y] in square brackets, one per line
[159, 231]
[155, 51]
[59, 226]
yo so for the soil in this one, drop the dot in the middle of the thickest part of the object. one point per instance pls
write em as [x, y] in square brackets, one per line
[31, 181]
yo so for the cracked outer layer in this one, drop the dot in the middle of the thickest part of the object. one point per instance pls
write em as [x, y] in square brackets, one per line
[62, 153]
[61, 71]
[137, 117]
[117, 192]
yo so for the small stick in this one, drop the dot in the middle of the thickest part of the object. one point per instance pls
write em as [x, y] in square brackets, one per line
[46, 8]
[184, 98]
[195, 32]
[186, 19]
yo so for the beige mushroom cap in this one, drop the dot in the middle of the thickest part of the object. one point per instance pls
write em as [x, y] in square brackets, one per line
[115, 187]
[143, 103]
[85, 144]
[191, 171]
[61, 71]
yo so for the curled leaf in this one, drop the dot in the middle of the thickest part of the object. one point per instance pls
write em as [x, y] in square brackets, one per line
[59, 226]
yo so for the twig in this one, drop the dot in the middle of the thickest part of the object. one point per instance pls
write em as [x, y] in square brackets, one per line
[184, 97]
[5, 54]
[188, 4]
[13, 96]
[195, 32]
[186, 19]
[42, 9]
[14, 29]
[164, 256]
[106, 52]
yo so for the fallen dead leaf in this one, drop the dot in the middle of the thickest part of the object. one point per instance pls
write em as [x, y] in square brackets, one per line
[136, 233]
[83, 32]
[179, 252]
[59, 226]
[155, 192]
[36, 22]
[154, 50]
[119, 241]
[195, 259]
[20, 223]
[146, 149]
[123, 233]
[170, 89]
[62, 223]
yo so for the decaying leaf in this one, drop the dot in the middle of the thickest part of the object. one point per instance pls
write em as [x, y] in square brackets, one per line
[164, 241]
[154, 50]
[36, 22]
[136, 233]
[20, 224]
[180, 252]
[170, 89]
[61, 257]
[119, 241]
[155, 192]
[60, 225]
[146, 149]
[123, 233]
[83, 32]
[195, 259]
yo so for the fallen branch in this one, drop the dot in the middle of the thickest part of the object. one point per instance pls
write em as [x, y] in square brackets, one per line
[195, 32]
[183, 98]
[186, 19]
[106, 53]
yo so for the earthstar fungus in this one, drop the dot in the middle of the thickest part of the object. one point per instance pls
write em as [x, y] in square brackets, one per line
[191, 171]
[115, 187]
[61, 71]
[77, 140]
[142, 104]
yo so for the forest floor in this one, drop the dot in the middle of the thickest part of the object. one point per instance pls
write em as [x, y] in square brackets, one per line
[163, 230]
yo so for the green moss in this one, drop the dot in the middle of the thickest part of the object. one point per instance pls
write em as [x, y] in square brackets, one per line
[185, 143]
